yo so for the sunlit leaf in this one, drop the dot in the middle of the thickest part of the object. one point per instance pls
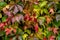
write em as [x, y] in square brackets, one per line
[24, 36]
[42, 12]
[43, 4]
[36, 6]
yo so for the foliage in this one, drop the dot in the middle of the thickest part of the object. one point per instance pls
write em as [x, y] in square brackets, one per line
[30, 20]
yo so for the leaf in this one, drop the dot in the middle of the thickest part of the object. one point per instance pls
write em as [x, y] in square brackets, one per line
[11, 7]
[1, 33]
[24, 36]
[41, 20]
[50, 4]
[14, 38]
[13, 20]
[4, 19]
[20, 8]
[6, 38]
[43, 4]
[41, 12]
[19, 3]
[0, 15]
[58, 11]
[18, 18]
[20, 38]
[19, 31]
[37, 10]
[57, 24]
[39, 33]
[28, 31]
[15, 10]
[48, 34]
[36, 7]
[58, 6]
[57, 17]
[2, 4]
[35, 38]
[58, 38]
[21, 17]
[40, 36]
[45, 11]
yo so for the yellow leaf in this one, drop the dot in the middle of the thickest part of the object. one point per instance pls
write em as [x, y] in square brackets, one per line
[25, 35]
[7, 6]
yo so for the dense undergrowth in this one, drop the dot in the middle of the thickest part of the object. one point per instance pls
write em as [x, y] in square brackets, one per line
[30, 19]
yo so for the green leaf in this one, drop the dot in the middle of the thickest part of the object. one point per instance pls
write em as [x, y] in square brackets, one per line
[58, 38]
[41, 12]
[57, 24]
[58, 6]
[19, 31]
[50, 4]
[16, 24]
[6, 38]
[2, 4]
[43, 4]
[41, 20]
[48, 34]
[4, 19]
[58, 11]
[36, 6]
[45, 11]
[0, 15]
[1, 33]
[28, 31]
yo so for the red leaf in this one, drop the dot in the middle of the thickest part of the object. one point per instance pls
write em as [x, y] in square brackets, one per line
[26, 17]
[35, 20]
[52, 38]
[44, 38]
[8, 31]
[36, 27]
[14, 30]
[1, 25]
[55, 30]
[51, 10]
